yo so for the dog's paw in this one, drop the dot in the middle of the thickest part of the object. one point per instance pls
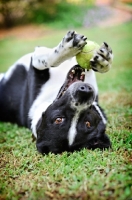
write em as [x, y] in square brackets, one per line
[72, 43]
[102, 59]
[75, 40]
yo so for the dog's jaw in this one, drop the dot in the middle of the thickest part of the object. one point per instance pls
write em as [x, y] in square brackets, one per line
[76, 74]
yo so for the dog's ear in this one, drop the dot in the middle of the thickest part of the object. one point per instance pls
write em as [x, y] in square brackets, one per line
[43, 146]
[39, 126]
[104, 142]
[102, 138]
[33, 138]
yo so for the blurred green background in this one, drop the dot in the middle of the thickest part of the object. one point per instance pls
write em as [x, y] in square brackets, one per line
[62, 13]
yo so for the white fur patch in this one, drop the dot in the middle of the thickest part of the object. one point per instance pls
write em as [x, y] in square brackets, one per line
[72, 131]
[25, 61]
[90, 78]
[100, 113]
[9, 73]
[1, 76]
[42, 58]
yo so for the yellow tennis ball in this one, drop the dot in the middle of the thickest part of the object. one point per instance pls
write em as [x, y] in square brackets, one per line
[88, 51]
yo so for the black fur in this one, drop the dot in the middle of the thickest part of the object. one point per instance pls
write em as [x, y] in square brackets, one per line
[53, 138]
[11, 95]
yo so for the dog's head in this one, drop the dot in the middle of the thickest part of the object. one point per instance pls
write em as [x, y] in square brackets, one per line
[73, 121]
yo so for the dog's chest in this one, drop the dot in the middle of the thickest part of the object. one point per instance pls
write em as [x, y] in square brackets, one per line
[50, 89]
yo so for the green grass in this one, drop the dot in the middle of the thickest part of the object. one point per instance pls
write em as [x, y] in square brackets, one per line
[93, 175]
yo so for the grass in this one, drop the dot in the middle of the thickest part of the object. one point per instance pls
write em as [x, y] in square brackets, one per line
[93, 175]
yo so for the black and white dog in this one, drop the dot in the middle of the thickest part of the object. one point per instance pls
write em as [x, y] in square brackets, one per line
[48, 92]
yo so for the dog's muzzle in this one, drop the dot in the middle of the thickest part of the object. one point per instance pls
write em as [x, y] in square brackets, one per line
[82, 93]
[74, 84]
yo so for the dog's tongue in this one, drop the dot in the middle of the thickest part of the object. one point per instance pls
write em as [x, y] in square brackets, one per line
[75, 74]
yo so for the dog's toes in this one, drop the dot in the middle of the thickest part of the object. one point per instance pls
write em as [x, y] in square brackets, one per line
[74, 40]
[106, 52]
[69, 36]
[102, 59]
[79, 41]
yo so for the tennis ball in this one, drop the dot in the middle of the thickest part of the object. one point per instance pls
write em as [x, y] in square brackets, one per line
[88, 51]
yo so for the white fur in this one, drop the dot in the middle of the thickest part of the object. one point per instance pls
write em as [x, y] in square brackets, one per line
[100, 113]
[41, 58]
[1, 76]
[45, 57]
[72, 131]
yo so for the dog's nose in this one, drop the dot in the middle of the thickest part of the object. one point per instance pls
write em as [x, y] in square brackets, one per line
[84, 93]
[85, 89]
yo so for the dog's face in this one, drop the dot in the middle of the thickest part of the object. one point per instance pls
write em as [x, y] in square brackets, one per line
[72, 122]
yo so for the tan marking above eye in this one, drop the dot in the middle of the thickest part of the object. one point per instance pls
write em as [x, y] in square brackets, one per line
[87, 124]
[59, 120]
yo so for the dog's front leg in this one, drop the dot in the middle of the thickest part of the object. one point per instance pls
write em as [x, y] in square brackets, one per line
[70, 45]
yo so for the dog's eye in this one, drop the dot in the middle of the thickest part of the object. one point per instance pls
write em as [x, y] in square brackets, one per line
[87, 124]
[59, 120]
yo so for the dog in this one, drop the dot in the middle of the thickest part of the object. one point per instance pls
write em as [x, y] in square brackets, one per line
[49, 93]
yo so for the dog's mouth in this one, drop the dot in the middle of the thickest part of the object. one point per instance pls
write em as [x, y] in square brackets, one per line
[74, 75]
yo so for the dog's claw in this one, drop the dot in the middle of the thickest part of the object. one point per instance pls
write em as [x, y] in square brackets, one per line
[106, 44]
[85, 38]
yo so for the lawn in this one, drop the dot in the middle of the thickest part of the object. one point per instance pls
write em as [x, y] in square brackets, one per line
[84, 175]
